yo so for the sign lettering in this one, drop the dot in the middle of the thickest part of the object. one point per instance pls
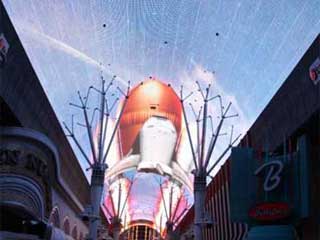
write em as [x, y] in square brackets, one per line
[29, 161]
[272, 178]
[270, 211]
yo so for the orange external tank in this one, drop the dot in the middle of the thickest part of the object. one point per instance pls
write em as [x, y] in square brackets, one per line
[147, 99]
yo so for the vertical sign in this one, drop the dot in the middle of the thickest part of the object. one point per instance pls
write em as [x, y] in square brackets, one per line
[314, 71]
[4, 47]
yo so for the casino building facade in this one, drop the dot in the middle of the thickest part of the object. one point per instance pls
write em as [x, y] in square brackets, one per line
[40, 198]
[269, 187]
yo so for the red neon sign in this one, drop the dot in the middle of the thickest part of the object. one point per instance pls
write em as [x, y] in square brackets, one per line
[270, 211]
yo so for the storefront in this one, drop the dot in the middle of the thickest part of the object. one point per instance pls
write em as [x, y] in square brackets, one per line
[270, 192]
[269, 187]
[275, 170]
[40, 198]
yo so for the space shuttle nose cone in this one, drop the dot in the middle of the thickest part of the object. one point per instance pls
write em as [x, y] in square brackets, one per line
[151, 98]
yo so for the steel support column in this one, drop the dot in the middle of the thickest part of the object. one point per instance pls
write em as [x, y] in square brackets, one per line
[199, 203]
[97, 182]
[116, 228]
[169, 235]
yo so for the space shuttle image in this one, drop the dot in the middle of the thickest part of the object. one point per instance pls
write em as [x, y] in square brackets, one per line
[150, 132]
[160, 132]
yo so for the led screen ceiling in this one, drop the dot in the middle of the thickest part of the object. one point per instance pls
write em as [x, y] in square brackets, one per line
[244, 48]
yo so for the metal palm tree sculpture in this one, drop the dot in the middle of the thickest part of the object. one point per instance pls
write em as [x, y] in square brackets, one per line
[202, 152]
[98, 152]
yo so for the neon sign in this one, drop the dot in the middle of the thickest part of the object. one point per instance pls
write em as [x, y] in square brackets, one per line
[270, 211]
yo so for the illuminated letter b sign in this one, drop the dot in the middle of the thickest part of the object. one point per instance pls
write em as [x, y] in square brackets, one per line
[272, 177]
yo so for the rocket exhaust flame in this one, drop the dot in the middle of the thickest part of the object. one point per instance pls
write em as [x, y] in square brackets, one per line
[171, 204]
[117, 200]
